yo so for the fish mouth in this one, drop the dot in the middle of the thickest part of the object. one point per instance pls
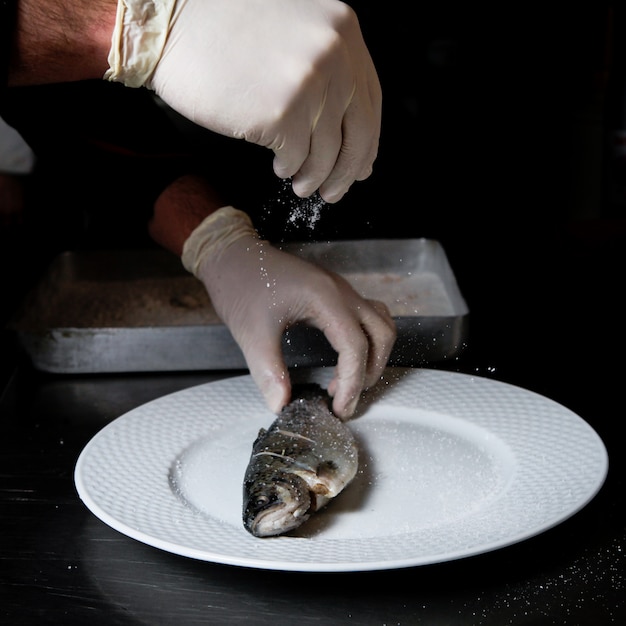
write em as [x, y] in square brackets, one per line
[266, 517]
[277, 520]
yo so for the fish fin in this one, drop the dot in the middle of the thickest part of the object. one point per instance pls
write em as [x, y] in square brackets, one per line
[320, 489]
[262, 433]
[326, 484]
[326, 475]
[319, 501]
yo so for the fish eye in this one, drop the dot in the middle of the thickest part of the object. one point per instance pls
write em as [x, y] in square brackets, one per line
[261, 501]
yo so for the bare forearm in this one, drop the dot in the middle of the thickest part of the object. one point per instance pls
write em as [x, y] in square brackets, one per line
[61, 40]
[179, 209]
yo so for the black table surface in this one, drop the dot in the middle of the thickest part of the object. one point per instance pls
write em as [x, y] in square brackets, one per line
[59, 564]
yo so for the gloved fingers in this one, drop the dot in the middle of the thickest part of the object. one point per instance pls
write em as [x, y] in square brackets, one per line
[326, 139]
[382, 328]
[325, 146]
[362, 332]
[345, 126]
[363, 343]
[311, 139]
[263, 354]
[360, 136]
[289, 156]
[344, 142]
[376, 112]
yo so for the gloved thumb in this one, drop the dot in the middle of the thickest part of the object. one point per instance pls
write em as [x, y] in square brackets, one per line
[267, 368]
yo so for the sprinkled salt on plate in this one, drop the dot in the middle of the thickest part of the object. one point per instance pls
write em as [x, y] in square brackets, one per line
[451, 465]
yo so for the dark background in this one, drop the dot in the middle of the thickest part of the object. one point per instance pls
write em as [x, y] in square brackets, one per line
[497, 128]
[498, 134]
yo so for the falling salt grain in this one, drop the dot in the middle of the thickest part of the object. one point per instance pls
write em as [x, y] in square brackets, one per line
[308, 211]
[302, 211]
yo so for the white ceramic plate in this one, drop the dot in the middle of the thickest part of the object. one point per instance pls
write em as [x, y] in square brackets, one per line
[451, 465]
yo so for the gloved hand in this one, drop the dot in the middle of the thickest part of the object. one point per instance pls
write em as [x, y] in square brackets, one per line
[258, 291]
[294, 76]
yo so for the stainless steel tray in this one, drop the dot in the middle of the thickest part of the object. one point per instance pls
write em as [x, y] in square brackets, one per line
[140, 311]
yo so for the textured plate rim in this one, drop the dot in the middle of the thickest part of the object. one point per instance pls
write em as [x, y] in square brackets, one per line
[274, 561]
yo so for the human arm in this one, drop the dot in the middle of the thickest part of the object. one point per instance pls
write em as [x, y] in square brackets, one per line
[260, 291]
[293, 76]
[60, 41]
[179, 209]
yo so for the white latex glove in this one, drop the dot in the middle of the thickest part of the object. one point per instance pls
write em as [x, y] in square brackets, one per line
[259, 291]
[294, 76]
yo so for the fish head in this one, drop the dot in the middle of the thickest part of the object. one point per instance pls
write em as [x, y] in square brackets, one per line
[275, 506]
